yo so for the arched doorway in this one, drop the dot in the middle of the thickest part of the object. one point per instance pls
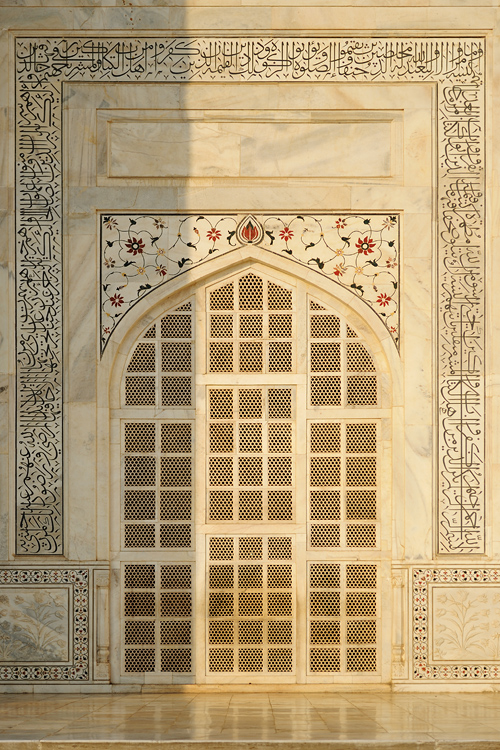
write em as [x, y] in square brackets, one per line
[254, 436]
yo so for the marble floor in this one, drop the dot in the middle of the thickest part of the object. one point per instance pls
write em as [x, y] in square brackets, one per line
[49, 721]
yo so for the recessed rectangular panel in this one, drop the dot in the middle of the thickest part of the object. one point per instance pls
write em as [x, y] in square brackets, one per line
[241, 148]
[171, 149]
[35, 625]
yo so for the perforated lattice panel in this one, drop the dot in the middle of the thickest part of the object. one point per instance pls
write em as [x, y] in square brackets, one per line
[160, 366]
[342, 371]
[252, 421]
[250, 470]
[157, 484]
[143, 359]
[157, 617]
[342, 475]
[247, 337]
[343, 617]
[251, 595]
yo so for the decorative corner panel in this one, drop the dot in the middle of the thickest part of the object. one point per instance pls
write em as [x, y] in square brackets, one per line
[456, 617]
[455, 65]
[140, 252]
[44, 624]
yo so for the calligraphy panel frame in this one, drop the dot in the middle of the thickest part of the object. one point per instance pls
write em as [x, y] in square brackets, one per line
[455, 65]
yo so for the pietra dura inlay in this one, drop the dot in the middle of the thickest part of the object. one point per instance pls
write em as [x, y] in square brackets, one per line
[141, 251]
[456, 66]
[465, 624]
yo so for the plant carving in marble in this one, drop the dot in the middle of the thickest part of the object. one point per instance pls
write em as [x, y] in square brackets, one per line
[141, 251]
[33, 626]
[461, 623]
[467, 628]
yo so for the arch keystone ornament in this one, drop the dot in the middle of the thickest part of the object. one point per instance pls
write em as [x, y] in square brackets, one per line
[249, 231]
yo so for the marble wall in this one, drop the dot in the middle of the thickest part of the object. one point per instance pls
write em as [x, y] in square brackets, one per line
[115, 121]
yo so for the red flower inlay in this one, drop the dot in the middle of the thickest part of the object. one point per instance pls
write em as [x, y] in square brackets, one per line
[340, 224]
[161, 270]
[286, 234]
[109, 222]
[135, 246]
[339, 270]
[116, 300]
[250, 232]
[365, 245]
[213, 234]
[383, 299]
[107, 330]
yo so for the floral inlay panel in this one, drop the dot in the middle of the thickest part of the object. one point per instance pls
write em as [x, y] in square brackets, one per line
[455, 65]
[141, 251]
[44, 624]
[456, 623]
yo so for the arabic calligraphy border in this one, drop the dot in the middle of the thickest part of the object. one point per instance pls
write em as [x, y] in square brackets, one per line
[43, 64]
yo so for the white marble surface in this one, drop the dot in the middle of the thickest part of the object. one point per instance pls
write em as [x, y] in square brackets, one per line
[356, 720]
[92, 475]
[249, 149]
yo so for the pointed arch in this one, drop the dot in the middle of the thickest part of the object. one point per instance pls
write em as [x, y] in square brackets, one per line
[275, 429]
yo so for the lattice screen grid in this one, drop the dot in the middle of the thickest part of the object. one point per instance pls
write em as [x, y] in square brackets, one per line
[157, 621]
[343, 617]
[342, 475]
[251, 326]
[160, 369]
[341, 369]
[251, 454]
[251, 604]
[158, 471]
[250, 434]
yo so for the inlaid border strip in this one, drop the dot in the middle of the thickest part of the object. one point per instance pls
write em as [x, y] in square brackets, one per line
[78, 621]
[455, 65]
[423, 578]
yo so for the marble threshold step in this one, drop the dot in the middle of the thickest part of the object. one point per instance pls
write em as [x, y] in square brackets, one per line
[340, 744]
[252, 721]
